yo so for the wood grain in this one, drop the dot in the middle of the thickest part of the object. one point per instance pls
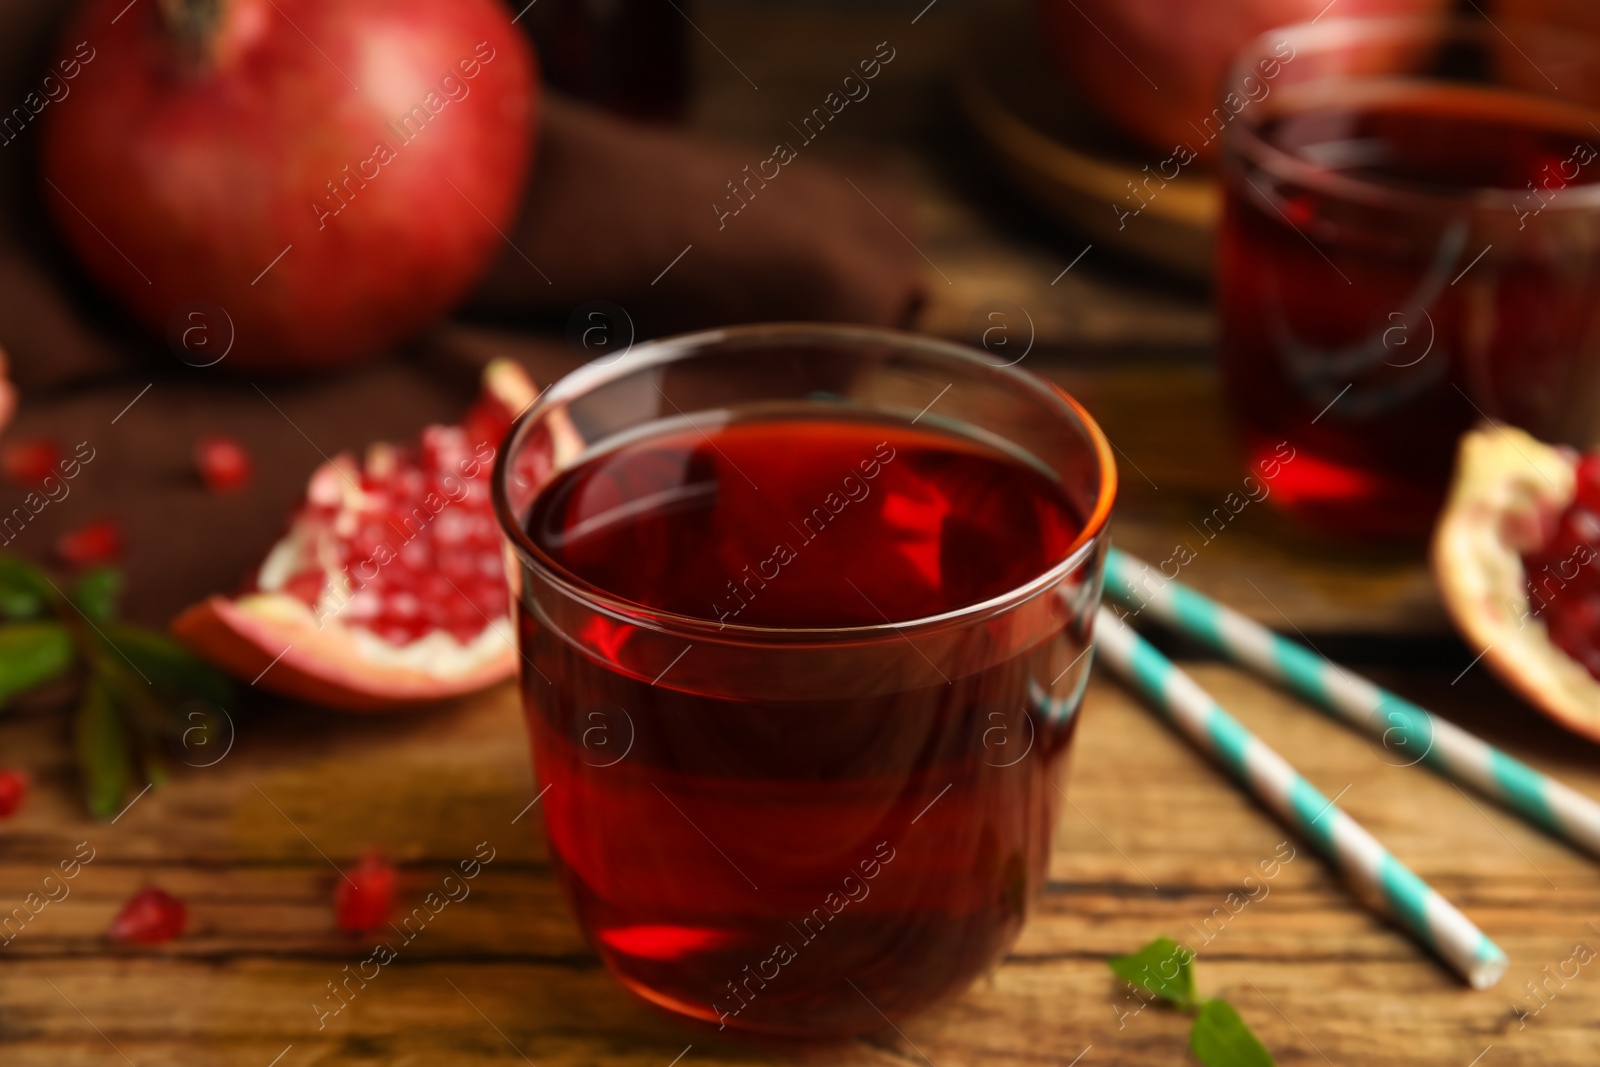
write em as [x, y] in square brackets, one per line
[1153, 841]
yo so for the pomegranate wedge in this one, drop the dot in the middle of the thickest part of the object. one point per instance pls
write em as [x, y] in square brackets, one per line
[389, 588]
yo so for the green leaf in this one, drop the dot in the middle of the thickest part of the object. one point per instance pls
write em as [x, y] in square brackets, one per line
[168, 665]
[151, 759]
[96, 593]
[25, 593]
[31, 654]
[147, 722]
[1162, 967]
[102, 750]
[1221, 1039]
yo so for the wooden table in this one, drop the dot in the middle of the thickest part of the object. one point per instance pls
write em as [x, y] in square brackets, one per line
[1153, 841]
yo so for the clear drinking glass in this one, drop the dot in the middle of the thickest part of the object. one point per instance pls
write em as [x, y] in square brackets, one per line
[1410, 243]
[830, 791]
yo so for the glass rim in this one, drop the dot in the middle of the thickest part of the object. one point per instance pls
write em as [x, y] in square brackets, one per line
[665, 350]
[1242, 139]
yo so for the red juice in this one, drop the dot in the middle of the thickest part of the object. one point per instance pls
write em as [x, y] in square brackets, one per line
[795, 844]
[1417, 263]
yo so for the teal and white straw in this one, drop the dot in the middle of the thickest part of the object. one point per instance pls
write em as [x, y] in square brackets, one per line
[1376, 875]
[1411, 730]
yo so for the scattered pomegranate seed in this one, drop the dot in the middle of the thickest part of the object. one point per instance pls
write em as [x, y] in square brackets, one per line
[150, 917]
[31, 460]
[96, 542]
[364, 896]
[224, 464]
[13, 789]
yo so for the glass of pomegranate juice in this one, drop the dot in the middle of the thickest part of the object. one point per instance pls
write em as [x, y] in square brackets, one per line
[1410, 242]
[804, 612]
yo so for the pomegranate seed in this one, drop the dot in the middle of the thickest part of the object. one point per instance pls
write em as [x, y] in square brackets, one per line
[486, 423]
[364, 896]
[31, 460]
[150, 917]
[1575, 627]
[96, 542]
[1563, 574]
[223, 463]
[1588, 482]
[306, 585]
[13, 788]
[1299, 210]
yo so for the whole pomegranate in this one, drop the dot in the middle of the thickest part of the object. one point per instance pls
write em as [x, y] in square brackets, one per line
[294, 183]
[1156, 67]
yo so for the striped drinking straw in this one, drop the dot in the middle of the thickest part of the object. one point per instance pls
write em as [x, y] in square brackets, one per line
[1409, 729]
[1379, 878]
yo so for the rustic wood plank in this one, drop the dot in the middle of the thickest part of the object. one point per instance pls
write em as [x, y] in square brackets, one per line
[1147, 809]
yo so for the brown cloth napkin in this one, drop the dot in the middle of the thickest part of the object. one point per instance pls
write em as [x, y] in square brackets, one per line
[611, 208]
[614, 205]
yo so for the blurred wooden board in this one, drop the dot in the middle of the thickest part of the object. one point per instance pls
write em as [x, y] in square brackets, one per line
[1154, 840]
[983, 240]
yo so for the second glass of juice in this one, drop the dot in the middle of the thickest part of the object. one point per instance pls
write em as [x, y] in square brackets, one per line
[1410, 243]
[805, 614]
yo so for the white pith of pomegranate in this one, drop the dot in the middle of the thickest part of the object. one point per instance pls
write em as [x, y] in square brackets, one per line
[1511, 511]
[389, 587]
